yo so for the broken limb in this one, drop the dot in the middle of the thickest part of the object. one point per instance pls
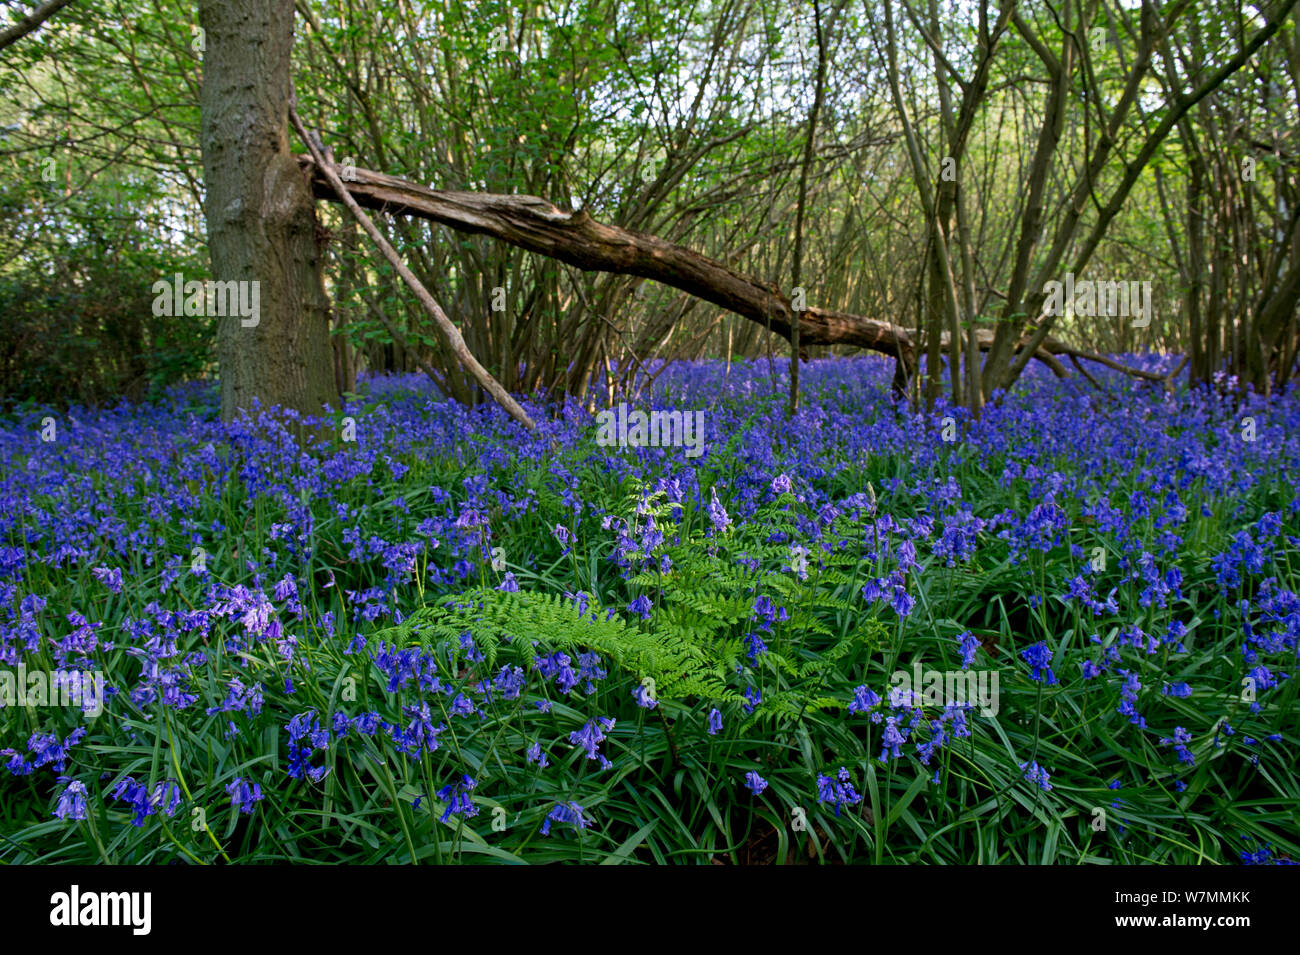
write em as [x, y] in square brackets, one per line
[454, 339]
[535, 225]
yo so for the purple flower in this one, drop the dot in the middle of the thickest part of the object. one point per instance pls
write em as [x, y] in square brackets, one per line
[755, 783]
[128, 790]
[569, 813]
[902, 601]
[1179, 741]
[591, 736]
[244, 797]
[510, 682]
[457, 797]
[112, 579]
[1037, 775]
[535, 755]
[893, 739]
[863, 699]
[472, 652]
[419, 734]
[837, 790]
[72, 801]
[1038, 657]
[1129, 698]
[718, 515]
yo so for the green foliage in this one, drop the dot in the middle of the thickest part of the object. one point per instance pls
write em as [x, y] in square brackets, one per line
[703, 600]
[673, 791]
[86, 334]
[518, 626]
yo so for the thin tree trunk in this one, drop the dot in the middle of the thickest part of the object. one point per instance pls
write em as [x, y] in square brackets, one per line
[809, 143]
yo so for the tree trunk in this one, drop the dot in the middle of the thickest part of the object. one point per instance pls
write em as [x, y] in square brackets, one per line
[261, 218]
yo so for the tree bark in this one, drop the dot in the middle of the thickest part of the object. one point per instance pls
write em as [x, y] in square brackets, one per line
[261, 218]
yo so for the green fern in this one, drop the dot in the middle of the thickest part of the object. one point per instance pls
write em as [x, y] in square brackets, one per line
[521, 624]
[694, 644]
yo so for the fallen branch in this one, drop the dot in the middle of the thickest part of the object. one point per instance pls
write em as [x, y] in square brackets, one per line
[32, 21]
[454, 338]
[535, 225]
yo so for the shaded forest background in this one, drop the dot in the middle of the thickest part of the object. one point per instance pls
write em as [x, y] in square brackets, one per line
[923, 163]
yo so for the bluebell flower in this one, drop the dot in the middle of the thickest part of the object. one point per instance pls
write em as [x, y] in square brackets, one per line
[1038, 656]
[420, 734]
[1129, 698]
[970, 645]
[863, 700]
[718, 515]
[642, 606]
[590, 670]
[591, 736]
[1037, 775]
[112, 579]
[902, 602]
[243, 796]
[894, 737]
[457, 797]
[510, 682]
[643, 697]
[472, 652]
[72, 801]
[535, 755]
[166, 797]
[569, 813]
[838, 790]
